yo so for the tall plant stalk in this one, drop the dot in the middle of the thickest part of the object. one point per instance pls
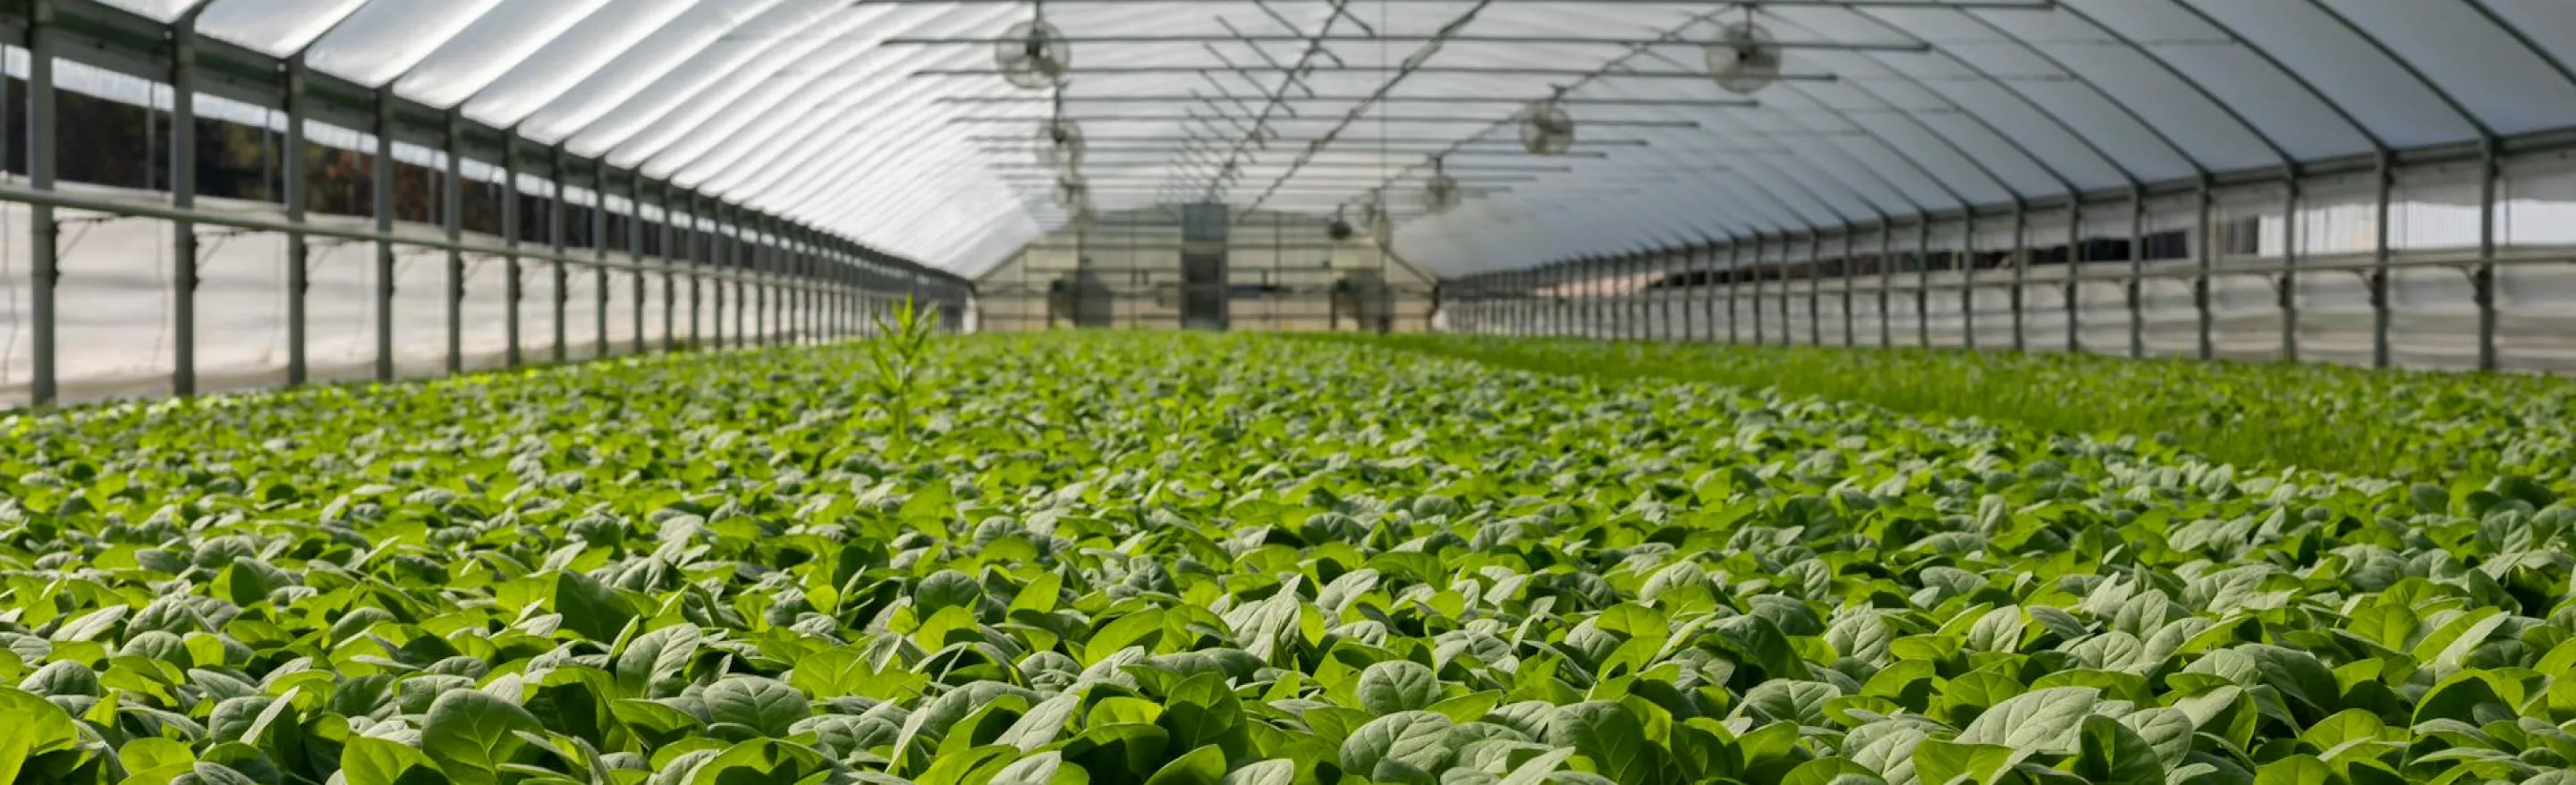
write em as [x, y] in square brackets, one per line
[895, 358]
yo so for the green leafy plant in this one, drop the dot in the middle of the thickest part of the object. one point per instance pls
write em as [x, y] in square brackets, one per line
[895, 363]
[1146, 559]
[2436, 427]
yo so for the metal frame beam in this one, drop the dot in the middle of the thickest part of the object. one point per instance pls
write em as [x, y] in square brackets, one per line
[1455, 70]
[1255, 40]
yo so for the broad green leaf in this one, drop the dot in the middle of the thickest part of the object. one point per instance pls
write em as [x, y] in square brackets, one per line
[1612, 736]
[372, 761]
[763, 705]
[1398, 686]
[1202, 766]
[472, 734]
[2038, 721]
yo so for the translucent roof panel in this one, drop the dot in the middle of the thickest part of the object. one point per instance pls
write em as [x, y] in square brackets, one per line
[887, 121]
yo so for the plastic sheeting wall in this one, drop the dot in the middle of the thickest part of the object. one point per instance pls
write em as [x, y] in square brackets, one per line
[116, 329]
[2433, 321]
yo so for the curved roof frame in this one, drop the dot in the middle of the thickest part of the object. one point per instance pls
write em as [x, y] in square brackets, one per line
[863, 119]
[130, 38]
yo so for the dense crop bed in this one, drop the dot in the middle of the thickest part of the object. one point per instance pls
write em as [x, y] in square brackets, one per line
[1135, 560]
[2434, 427]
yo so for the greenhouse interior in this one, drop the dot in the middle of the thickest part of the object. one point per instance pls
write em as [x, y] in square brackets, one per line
[1288, 392]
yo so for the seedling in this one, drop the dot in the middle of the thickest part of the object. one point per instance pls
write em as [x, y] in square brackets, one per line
[895, 360]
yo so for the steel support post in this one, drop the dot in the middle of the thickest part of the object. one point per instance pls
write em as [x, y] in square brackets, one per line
[2289, 281]
[2382, 283]
[183, 197]
[1968, 284]
[1694, 291]
[1571, 276]
[452, 209]
[635, 251]
[558, 229]
[1843, 276]
[1657, 307]
[44, 130]
[1886, 280]
[1540, 305]
[1533, 304]
[299, 246]
[826, 291]
[2019, 298]
[517, 290]
[1613, 305]
[801, 256]
[1734, 277]
[2075, 275]
[2490, 182]
[385, 233]
[1617, 303]
[1923, 283]
[1815, 288]
[810, 276]
[1640, 290]
[1594, 321]
[782, 268]
[1815, 266]
[756, 300]
[1566, 316]
[746, 259]
[1557, 305]
[1543, 302]
[701, 254]
[599, 251]
[1550, 314]
[1788, 255]
[2207, 255]
[670, 270]
[1760, 246]
[764, 263]
[1586, 273]
[791, 295]
[2136, 289]
[720, 256]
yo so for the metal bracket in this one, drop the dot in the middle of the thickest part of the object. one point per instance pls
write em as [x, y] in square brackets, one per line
[2482, 279]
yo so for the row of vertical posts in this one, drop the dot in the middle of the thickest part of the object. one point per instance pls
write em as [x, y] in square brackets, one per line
[1574, 297]
[837, 286]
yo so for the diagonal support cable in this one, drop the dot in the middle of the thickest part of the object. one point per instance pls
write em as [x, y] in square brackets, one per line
[1295, 76]
[1635, 50]
[1412, 63]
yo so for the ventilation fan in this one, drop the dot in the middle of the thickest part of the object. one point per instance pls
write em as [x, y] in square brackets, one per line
[1060, 143]
[1340, 228]
[1745, 58]
[1034, 55]
[1441, 194]
[1546, 128]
